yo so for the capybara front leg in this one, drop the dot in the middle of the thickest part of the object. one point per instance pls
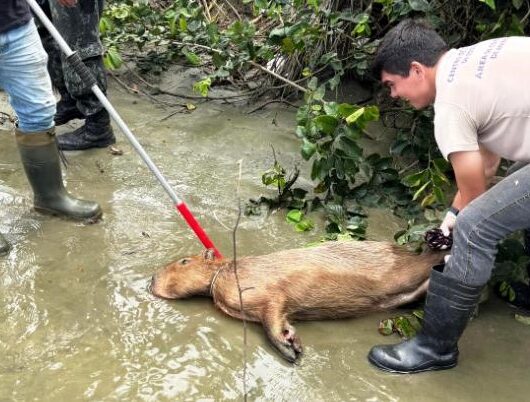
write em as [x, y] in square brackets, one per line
[282, 335]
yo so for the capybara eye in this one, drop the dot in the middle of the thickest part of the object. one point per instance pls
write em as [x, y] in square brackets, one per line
[184, 261]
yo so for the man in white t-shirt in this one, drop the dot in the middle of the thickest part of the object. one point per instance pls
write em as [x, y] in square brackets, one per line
[481, 101]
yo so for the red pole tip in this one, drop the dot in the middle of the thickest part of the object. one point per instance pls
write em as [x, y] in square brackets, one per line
[196, 227]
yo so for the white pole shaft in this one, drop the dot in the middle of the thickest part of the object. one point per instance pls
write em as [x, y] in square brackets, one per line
[136, 145]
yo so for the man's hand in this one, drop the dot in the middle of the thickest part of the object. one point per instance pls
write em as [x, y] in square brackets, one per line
[67, 3]
[448, 223]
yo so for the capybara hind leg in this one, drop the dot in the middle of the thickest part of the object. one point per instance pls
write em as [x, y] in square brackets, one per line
[404, 298]
[282, 335]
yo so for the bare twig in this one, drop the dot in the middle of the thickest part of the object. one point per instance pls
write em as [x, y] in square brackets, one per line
[179, 95]
[220, 221]
[233, 9]
[123, 84]
[197, 45]
[293, 84]
[173, 113]
[523, 20]
[206, 11]
[219, 9]
[406, 168]
[141, 92]
[240, 291]
[272, 101]
[172, 104]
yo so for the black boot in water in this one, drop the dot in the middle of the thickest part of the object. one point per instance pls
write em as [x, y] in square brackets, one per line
[67, 110]
[40, 158]
[95, 133]
[448, 307]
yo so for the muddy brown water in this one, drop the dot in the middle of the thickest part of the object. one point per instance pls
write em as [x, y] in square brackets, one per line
[77, 321]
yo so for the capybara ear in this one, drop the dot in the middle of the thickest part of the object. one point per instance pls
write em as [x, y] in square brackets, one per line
[208, 254]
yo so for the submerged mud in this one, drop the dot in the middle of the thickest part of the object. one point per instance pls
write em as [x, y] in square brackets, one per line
[78, 321]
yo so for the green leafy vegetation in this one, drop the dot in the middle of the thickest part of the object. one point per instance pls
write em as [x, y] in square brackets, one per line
[316, 46]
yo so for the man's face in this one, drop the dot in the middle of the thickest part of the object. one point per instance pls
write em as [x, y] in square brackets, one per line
[417, 88]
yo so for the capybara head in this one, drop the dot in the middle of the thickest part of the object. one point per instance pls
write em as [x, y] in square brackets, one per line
[189, 276]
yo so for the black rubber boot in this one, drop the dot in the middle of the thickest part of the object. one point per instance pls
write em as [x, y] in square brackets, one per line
[67, 110]
[4, 245]
[448, 307]
[40, 158]
[96, 133]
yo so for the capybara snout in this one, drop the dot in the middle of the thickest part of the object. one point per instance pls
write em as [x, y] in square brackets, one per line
[333, 280]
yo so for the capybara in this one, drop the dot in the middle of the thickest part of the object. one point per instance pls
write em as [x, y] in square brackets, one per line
[333, 280]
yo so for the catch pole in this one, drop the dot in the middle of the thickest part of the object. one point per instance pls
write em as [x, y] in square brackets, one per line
[86, 76]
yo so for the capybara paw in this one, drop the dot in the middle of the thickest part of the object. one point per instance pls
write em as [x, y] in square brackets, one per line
[288, 352]
[289, 344]
[290, 337]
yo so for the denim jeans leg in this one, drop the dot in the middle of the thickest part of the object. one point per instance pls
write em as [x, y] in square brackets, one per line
[24, 76]
[488, 219]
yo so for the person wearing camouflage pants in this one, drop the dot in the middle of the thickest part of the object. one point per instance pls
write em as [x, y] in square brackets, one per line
[79, 26]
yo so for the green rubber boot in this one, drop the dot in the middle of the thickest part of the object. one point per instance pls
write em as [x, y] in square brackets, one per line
[40, 158]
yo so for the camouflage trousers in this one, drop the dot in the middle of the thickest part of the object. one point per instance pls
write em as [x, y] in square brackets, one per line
[79, 26]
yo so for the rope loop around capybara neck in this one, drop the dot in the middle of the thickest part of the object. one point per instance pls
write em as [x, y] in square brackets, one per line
[216, 275]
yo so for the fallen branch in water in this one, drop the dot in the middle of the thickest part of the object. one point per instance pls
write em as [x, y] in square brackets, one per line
[272, 101]
[173, 113]
[123, 84]
[159, 90]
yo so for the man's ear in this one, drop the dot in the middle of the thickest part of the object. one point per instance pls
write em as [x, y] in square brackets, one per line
[208, 254]
[417, 69]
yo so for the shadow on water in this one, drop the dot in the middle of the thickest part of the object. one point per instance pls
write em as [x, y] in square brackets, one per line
[78, 322]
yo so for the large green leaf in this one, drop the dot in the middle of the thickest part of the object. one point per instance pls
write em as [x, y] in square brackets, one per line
[420, 190]
[308, 149]
[345, 109]
[294, 216]
[331, 109]
[352, 118]
[192, 58]
[350, 147]
[413, 180]
[326, 124]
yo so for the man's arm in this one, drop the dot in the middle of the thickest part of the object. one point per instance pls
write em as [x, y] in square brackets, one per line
[470, 168]
[470, 171]
[491, 163]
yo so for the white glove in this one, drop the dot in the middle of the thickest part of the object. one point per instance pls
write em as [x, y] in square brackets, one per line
[448, 223]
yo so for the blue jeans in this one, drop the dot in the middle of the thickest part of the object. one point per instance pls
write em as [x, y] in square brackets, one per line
[488, 219]
[23, 75]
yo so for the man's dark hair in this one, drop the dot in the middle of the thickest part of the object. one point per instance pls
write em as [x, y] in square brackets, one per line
[410, 40]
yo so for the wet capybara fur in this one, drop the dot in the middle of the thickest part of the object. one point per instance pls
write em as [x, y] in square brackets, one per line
[333, 280]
